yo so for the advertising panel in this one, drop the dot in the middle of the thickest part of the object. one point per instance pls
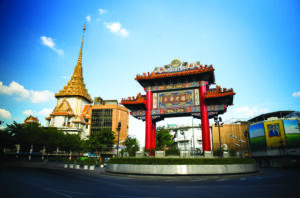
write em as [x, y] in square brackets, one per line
[274, 134]
[257, 137]
[292, 133]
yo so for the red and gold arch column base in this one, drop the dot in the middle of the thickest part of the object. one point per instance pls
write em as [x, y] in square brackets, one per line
[153, 139]
[204, 118]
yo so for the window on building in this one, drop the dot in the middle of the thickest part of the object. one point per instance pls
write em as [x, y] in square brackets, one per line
[101, 119]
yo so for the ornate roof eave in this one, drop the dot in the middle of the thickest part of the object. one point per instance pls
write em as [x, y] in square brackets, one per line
[201, 73]
[219, 96]
[59, 95]
[61, 114]
[133, 103]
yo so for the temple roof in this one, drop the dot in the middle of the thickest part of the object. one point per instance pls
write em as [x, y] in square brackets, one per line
[171, 74]
[63, 109]
[31, 119]
[76, 86]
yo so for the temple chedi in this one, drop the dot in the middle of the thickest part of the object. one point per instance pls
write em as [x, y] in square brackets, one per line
[73, 102]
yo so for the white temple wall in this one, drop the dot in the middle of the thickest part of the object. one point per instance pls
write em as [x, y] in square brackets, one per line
[77, 104]
[58, 121]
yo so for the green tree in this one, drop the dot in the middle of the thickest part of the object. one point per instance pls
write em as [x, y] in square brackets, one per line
[101, 141]
[131, 145]
[71, 142]
[53, 139]
[163, 138]
[7, 139]
[20, 135]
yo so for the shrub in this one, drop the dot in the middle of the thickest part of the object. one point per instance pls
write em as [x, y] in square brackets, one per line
[181, 161]
[86, 161]
[67, 160]
[92, 161]
[172, 151]
[78, 161]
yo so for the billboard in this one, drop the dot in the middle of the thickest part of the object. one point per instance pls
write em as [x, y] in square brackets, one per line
[274, 134]
[292, 133]
[257, 137]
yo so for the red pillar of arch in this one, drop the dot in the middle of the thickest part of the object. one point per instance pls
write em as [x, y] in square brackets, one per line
[148, 119]
[153, 136]
[204, 118]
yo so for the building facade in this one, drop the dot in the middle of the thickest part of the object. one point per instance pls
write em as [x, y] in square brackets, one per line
[231, 135]
[107, 114]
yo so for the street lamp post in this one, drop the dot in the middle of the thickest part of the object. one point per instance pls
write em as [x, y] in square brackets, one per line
[219, 123]
[118, 129]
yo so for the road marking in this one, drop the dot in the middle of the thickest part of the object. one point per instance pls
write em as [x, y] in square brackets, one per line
[205, 186]
[66, 191]
[147, 186]
[130, 196]
[243, 179]
[27, 182]
[57, 192]
[22, 180]
[221, 179]
[83, 181]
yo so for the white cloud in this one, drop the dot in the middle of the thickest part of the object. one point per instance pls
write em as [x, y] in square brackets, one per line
[113, 27]
[41, 96]
[116, 28]
[47, 41]
[14, 89]
[4, 114]
[28, 112]
[88, 18]
[242, 113]
[34, 96]
[45, 112]
[102, 11]
[296, 94]
[250, 112]
[2, 128]
[124, 33]
[65, 77]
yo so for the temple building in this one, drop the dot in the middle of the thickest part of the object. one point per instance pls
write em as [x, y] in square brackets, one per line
[75, 112]
[31, 119]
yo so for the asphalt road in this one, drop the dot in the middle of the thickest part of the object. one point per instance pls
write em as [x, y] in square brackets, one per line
[20, 181]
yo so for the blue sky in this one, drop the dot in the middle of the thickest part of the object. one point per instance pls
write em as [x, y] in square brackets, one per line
[254, 47]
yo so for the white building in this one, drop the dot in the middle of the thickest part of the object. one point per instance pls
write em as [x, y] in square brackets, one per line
[187, 138]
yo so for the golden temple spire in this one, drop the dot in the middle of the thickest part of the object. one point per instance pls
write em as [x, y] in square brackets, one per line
[76, 86]
[78, 68]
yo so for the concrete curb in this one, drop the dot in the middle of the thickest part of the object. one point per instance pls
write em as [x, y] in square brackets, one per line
[55, 166]
[182, 169]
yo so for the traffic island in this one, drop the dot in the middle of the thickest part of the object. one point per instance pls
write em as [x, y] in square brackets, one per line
[187, 166]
